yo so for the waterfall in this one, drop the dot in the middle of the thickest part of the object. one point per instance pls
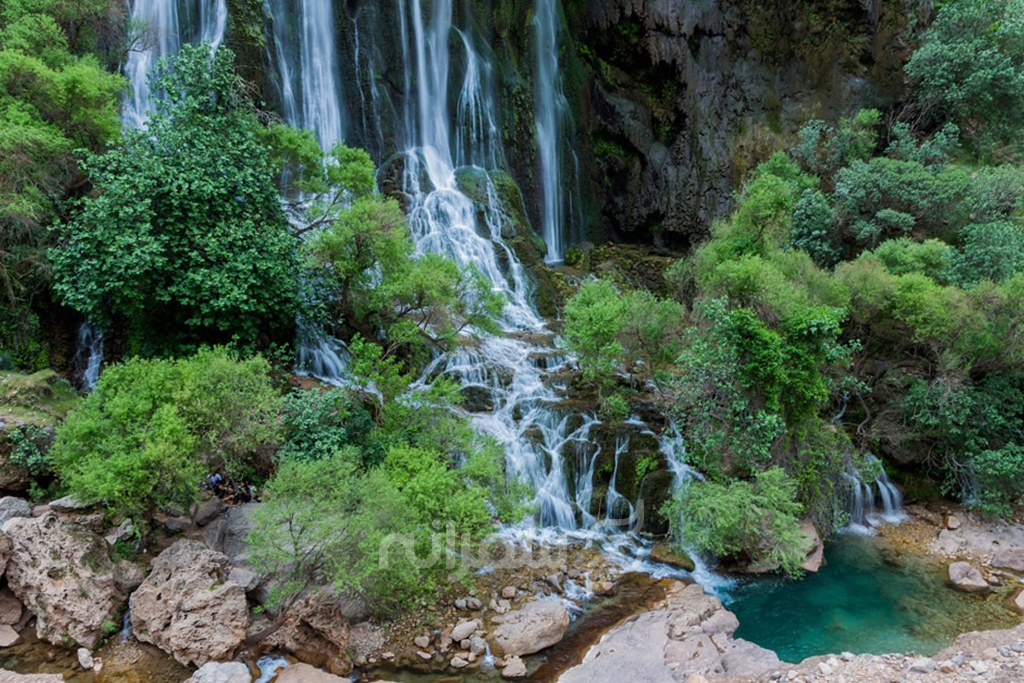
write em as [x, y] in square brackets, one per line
[617, 508]
[864, 515]
[673, 449]
[89, 355]
[551, 106]
[162, 33]
[306, 67]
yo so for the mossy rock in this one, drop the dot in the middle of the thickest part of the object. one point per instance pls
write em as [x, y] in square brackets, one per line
[42, 398]
[672, 556]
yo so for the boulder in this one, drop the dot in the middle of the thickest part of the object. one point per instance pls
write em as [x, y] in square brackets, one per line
[966, 578]
[69, 504]
[246, 578]
[464, 630]
[816, 554]
[221, 672]
[8, 636]
[62, 574]
[316, 631]
[10, 608]
[11, 507]
[1018, 602]
[208, 510]
[187, 608]
[1009, 558]
[953, 522]
[11, 677]
[666, 554]
[304, 673]
[514, 668]
[530, 629]
[85, 659]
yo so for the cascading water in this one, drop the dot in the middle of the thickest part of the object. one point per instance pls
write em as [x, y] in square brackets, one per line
[89, 355]
[617, 508]
[163, 31]
[306, 64]
[864, 515]
[550, 109]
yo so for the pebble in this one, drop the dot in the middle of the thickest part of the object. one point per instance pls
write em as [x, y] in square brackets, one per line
[421, 642]
[825, 669]
[508, 592]
[85, 658]
[924, 665]
[425, 656]
[459, 663]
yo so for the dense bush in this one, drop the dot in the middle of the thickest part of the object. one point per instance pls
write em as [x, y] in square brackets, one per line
[152, 428]
[755, 519]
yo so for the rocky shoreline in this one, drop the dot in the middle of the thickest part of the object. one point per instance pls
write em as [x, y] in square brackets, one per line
[194, 602]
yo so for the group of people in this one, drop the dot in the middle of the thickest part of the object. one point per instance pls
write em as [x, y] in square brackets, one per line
[231, 492]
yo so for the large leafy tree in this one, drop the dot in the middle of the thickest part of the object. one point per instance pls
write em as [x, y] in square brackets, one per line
[51, 103]
[184, 237]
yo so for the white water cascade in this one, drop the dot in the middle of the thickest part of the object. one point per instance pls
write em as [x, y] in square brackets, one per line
[551, 106]
[162, 31]
[306, 64]
[865, 515]
[89, 355]
[514, 401]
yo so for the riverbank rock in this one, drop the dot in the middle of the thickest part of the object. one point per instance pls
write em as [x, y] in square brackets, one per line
[187, 608]
[688, 633]
[530, 629]
[62, 573]
[11, 677]
[221, 672]
[11, 507]
[1018, 602]
[1009, 558]
[8, 636]
[816, 554]
[967, 578]
[304, 673]
[664, 553]
[10, 607]
[316, 631]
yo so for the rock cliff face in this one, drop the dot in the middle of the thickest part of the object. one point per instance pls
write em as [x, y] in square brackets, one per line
[668, 102]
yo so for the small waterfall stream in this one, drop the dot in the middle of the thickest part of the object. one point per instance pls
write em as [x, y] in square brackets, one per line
[865, 515]
[89, 355]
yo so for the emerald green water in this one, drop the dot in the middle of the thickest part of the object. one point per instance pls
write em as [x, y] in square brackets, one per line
[861, 602]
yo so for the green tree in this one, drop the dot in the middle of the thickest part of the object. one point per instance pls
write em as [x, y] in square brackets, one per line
[368, 278]
[184, 236]
[51, 103]
[969, 69]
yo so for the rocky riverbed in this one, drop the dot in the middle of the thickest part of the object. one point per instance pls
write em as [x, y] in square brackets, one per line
[569, 614]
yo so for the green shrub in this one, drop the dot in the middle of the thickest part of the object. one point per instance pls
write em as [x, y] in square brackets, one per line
[319, 423]
[152, 428]
[757, 520]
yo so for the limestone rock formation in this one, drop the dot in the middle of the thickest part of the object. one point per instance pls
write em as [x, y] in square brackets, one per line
[689, 633]
[1009, 558]
[966, 578]
[187, 608]
[530, 629]
[63, 574]
[11, 507]
[221, 672]
[304, 673]
[316, 631]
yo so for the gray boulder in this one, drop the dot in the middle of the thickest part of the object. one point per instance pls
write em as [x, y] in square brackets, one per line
[1009, 558]
[966, 578]
[536, 626]
[62, 573]
[188, 608]
[11, 507]
[221, 672]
